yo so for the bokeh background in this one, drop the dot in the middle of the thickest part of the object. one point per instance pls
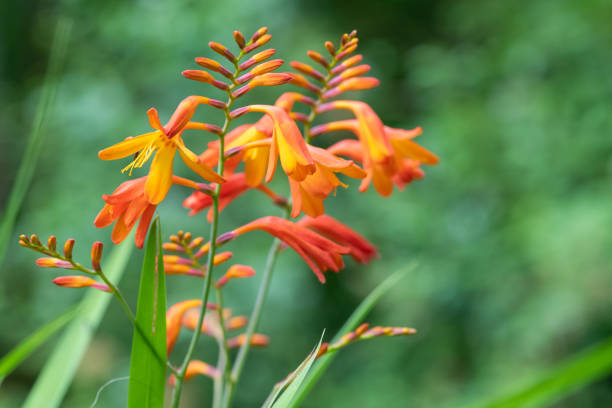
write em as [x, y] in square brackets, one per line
[512, 230]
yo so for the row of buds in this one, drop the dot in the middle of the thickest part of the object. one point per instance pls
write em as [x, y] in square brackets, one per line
[259, 75]
[342, 74]
[176, 265]
[56, 259]
[364, 332]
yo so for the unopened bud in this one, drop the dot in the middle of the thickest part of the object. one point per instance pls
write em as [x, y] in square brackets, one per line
[257, 58]
[80, 282]
[271, 79]
[52, 243]
[96, 255]
[349, 50]
[187, 237]
[349, 73]
[213, 65]
[353, 84]
[53, 263]
[330, 47]
[299, 117]
[235, 271]
[203, 76]
[268, 66]
[307, 70]
[259, 33]
[315, 56]
[361, 329]
[196, 242]
[222, 50]
[225, 237]
[34, 240]
[239, 112]
[257, 340]
[344, 39]
[222, 257]
[170, 246]
[355, 59]
[68, 246]
[236, 322]
[322, 349]
[261, 41]
[239, 38]
[299, 80]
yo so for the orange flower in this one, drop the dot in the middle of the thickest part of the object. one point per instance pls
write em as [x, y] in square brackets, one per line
[287, 143]
[406, 155]
[194, 368]
[174, 317]
[308, 194]
[164, 142]
[127, 204]
[77, 281]
[361, 250]
[318, 252]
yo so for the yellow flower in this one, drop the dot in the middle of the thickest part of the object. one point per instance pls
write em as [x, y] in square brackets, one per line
[164, 142]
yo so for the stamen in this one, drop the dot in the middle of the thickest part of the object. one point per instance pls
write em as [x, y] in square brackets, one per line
[141, 158]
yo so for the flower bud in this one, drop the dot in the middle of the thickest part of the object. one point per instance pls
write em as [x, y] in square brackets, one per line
[225, 237]
[214, 66]
[257, 58]
[68, 246]
[307, 70]
[257, 340]
[96, 255]
[52, 243]
[196, 242]
[236, 322]
[53, 263]
[34, 240]
[170, 246]
[187, 237]
[239, 38]
[222, 50]
[261, 41]
[299, 80]
[330, 47]
[203, 76]
[259, 33]
[355, 59]
[349, 50]
[235, 271]
[315, 56]
[80, 282]
[349, 73]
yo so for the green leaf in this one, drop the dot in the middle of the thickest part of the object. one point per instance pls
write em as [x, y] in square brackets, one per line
[148, 359]
[353, 321]
[292, 383]
[569, 376]
[11, 360]
[56, 376]
[35, 139]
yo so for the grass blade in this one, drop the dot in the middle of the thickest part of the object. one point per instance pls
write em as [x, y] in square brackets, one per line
[292, 383]
[56, 376]
[147, 372]
[573, 374]
[11, 360]
[353, 321]
[35, 139]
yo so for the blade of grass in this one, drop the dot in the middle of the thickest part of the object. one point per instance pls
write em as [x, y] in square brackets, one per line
[571, 375]
[56, 376]
[294, 381]
[353, 321]
[11, 360]
[147, 372]
[35, 139]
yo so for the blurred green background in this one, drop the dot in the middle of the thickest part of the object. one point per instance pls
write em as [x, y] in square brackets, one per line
[512, 229]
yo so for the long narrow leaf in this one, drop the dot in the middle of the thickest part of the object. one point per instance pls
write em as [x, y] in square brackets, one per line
[293, 382]
[56, 376]
[35, 139]
[353, 321]
[11, 360]
[147, 370]
[573, 374]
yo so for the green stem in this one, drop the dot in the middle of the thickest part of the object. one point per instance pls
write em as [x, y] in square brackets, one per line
[223, 363]
[176, 396]
[253, 319]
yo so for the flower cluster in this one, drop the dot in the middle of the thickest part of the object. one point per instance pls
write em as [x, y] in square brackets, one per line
[245, 158]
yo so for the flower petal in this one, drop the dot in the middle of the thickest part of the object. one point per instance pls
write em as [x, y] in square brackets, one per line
[160, 176]
[129, 146]
[192, 161]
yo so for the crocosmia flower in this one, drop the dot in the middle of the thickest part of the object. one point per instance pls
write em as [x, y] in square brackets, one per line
[163, 142]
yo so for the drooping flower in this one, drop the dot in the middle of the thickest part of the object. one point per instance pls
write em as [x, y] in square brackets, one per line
[164, 142]
[128, 204]
[406, 155]
[320, 253]
[360, 248]
[174, 317]
[287, 143]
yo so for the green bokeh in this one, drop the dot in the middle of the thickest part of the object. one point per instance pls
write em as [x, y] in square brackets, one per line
[512, 229]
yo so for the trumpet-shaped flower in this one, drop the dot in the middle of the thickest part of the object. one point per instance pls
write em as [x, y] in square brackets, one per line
[174, 317]
[308, 194]
[406, 155]
[362, 250]
[164, 142]
[128, 204]
[287, 143]
[318, 252]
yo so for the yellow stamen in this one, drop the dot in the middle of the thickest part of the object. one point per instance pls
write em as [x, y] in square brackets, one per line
[141, 157]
